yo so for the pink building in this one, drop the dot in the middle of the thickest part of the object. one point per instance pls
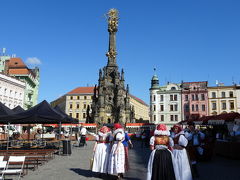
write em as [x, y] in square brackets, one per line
[194, 99]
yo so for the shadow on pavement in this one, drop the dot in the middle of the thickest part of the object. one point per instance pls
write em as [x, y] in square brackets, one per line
[84, 172]
[89, 173]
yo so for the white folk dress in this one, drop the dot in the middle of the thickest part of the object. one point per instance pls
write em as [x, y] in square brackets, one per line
[181, 158]
[117, 161]
[151, 159]
[100, 157]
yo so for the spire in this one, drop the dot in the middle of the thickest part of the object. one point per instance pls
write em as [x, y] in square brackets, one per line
[155, 81]
[122, 75]
[112, 29]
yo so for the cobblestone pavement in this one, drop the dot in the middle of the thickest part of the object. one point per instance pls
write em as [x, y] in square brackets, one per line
[76, 167]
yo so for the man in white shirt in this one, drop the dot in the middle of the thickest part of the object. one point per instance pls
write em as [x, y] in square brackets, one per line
[83, 133]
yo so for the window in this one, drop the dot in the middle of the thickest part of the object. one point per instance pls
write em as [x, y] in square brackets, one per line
[186, 97]
[203, 107]
[214, 106]
[150, 98]
[176, 107]
[154, 117]
[78, 97]
[175, 97]
[172, 118]
[162, 117]
[154, 107]
[77, 115]
[196, 107]
[193, 97]
[186, 108]
[171, 107]
[202, 97]
[85, 97]
[71, 106]
[171, 97]
[154, 98]
[70, 114]
[173, 88]
[213, 94]
[223, 94]
[161, 98]
[71, 97]
[192, 107]
[84, 106]
[231, 105]
[84, 115]
[231, 94]
[224, 105]
[78, 106]
[161, 107]
[196, 95]
[176, 117]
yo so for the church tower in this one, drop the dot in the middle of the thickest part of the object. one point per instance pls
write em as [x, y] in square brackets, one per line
[111, 101]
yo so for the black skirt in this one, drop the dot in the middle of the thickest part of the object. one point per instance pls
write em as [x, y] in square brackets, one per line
[162, 168]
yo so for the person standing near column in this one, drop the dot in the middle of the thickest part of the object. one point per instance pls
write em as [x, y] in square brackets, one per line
[117, 154]
[161, 164]
[180, 153]
[83, 133]
[127, 142]
[101, 150]
[194, 142]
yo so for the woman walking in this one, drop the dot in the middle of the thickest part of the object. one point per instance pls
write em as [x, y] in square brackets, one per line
[101, 150]
[117, 154]
[161, 164]
[180, 153]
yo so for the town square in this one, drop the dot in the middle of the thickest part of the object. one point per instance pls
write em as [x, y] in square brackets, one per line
[138, 90]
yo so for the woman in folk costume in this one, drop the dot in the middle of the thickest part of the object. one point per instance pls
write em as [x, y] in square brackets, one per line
[180, 153]
[117, 154]
[101, 150]
[161, 164]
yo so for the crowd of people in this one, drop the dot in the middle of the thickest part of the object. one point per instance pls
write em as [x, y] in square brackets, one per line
[110, 152]
[174, 153]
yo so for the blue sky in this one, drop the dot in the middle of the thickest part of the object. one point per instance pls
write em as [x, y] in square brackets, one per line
[189, 40]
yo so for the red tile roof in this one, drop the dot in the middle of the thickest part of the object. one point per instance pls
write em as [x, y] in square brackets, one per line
[195, 82]
[82, 90]
[139, 100]
[16, 62]
[18, 71]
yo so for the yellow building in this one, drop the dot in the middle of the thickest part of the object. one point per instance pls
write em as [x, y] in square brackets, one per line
[75, 104]
[222, 99]
[141, 109]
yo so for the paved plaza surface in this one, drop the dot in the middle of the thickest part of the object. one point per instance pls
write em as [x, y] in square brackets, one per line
[76, 167]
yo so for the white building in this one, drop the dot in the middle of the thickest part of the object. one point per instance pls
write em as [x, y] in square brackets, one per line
[11, 91]
[238, 97]
[165, 103]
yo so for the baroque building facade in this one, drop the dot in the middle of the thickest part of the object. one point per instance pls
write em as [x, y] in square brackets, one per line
[223, 99]
[165, 103]
[15, 67]
[77, 103]
[111, 99]
[194, 100]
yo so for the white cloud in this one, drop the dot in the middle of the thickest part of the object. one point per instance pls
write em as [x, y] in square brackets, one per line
[33, 61]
